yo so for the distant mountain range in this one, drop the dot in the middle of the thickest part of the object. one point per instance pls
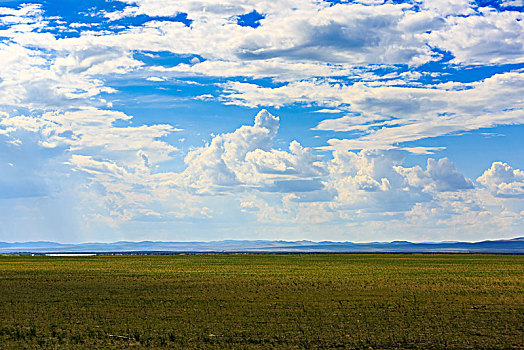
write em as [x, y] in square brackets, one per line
[515, 245]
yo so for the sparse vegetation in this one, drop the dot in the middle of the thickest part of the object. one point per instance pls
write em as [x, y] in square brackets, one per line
[263, 301]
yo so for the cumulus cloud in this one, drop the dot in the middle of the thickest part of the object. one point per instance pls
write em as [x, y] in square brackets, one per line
[439, 175]
[245, 157]
[503, 181]
[368, 181]
[373, 185]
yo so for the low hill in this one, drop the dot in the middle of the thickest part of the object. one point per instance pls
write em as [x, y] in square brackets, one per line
[515, 245]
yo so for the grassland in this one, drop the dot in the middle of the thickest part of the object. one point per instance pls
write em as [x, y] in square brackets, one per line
[263, 301]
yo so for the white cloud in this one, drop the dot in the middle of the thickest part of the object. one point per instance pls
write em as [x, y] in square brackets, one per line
[327, 110]
[94, 167]
[295, 40]
[307, 92]
[449, 7]
[155, 79]
[422, 150]
[95, 59]
[408, 113]
[90, 128]
[368, 181]
[490, 37]
[245, 158]
[440, 175]
[35, 82]
[374, 186]
[503, 181]
[115, 194]
[352, 123]
[516, 3]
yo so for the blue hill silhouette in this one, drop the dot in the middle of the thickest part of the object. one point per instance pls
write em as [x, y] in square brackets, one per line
[515, 245]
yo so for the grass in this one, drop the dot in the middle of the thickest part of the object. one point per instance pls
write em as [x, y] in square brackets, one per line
[263, 301]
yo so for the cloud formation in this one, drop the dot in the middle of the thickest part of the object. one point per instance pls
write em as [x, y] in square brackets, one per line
[104, 113]
[245, 157]
[440, 175]
[503, 181]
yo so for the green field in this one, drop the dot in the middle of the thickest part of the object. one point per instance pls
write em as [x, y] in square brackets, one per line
[263, 301]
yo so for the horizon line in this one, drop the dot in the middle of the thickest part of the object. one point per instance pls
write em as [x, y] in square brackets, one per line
[268, 240]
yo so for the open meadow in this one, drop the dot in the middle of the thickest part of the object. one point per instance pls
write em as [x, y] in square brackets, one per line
[263, 301]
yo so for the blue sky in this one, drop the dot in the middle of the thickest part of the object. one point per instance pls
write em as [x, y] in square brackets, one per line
[208, 120]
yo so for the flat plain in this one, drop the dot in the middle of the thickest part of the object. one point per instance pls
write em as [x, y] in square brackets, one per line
[381, 301]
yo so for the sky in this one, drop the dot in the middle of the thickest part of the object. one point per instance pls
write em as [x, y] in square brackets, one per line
[202, 120]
